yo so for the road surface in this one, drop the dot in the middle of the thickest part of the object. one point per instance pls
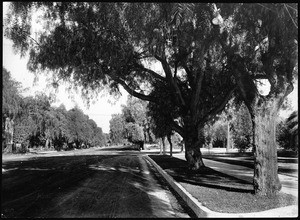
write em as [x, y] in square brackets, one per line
[87, 183]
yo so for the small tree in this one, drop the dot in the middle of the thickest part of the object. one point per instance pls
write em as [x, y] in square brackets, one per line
[135, 134]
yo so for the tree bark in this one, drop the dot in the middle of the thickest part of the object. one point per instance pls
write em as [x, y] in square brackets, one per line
[265, 181]
[192, 146]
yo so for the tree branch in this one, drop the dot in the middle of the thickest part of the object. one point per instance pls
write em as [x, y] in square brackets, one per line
[259, 76]
[153, 73]
[171, 80]
[290, 16]
[196, 94]
[133, 92]
[218, 108]
[189, 75]
[177, 128]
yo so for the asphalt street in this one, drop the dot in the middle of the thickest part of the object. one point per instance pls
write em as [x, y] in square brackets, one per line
[89, 183]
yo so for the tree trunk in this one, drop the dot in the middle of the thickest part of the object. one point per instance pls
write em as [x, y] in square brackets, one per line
[265, 181]
[171, 146]
[149, 135]
[47, 143]
[228, 147]
[160, 149]
[164, 145]
[192, 146]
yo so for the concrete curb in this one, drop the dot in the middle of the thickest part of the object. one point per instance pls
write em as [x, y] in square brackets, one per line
[202, 211]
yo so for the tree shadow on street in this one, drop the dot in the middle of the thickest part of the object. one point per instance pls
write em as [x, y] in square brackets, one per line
[206, 176]
[77, 186]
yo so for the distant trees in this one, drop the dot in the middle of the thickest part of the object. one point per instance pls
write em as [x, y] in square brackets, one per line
[287, 132]
[132, 124]
[135, 111]
[242, 129]
[31, 121]
[116, 129]
[10, 107]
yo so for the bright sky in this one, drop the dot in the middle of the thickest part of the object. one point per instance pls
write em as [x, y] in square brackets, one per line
[100, 112]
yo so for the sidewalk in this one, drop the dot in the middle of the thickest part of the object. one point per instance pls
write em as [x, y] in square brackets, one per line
[289, 184]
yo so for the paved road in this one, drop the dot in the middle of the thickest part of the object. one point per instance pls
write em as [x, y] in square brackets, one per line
[88, 183]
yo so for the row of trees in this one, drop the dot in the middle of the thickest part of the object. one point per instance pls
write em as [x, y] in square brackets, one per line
[139, 122]
[208, 53]
[132, 124]
[31, 121]
[233, 129]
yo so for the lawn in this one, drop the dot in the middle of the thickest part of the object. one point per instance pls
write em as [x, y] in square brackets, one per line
[220, 192]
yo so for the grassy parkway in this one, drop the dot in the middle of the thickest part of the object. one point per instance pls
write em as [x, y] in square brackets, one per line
[85, 183]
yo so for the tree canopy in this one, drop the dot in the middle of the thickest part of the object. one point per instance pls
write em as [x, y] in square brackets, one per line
[207, 53]
[37, 123]
[106, 44]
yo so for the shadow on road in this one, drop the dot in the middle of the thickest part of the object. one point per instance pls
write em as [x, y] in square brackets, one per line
[75, 186]
[207, 177]
[122, 148]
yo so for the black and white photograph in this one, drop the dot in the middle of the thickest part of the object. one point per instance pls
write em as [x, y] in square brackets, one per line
[149, 110]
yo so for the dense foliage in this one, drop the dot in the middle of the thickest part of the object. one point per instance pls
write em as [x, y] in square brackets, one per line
[242, 129]
[37, 123]
[132, 124]
[287, 132]
[117, 129]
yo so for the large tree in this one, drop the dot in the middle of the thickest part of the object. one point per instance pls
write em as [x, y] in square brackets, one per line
[108, 44]
[260, 42]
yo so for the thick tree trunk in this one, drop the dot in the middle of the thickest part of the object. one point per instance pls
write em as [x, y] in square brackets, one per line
[265, 181]
[192, 147]
[171, 146]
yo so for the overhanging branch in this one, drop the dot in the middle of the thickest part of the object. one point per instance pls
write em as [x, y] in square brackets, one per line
[153, 73]
[177, 128]
[133, 92]
[171, 80]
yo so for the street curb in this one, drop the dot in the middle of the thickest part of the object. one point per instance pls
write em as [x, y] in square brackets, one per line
[202, 211]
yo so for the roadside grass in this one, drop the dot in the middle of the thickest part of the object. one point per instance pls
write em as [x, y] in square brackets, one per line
[220, 192]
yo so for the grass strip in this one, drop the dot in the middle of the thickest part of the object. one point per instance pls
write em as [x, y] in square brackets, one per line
[218, 191]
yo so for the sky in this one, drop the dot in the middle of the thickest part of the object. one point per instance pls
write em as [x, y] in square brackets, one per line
[103, 108]
[100, 112]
